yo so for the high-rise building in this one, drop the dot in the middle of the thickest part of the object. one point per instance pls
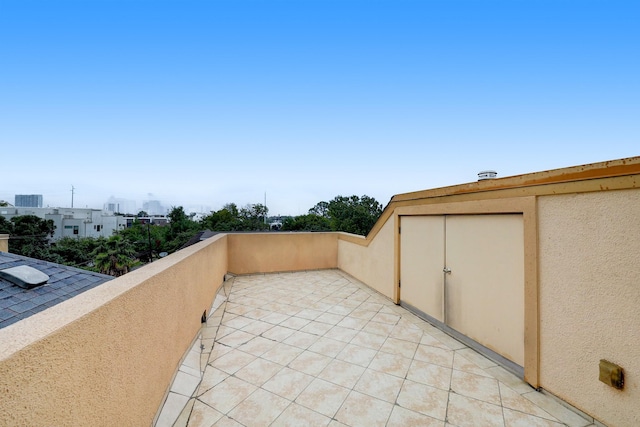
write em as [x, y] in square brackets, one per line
[28, 201]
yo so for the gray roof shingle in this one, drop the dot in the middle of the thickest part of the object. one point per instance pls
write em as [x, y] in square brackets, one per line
[64, 283]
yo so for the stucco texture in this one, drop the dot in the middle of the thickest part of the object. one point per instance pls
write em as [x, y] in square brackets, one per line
[372, 264]
[105, 357]
[589, 272]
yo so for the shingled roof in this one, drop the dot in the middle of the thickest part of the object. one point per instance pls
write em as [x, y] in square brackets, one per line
[64, 283]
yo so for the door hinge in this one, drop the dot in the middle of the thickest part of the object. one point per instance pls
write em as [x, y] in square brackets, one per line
[399, 284]
[399, 230]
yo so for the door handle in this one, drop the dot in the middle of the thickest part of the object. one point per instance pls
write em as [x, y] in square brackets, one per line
[446, 270]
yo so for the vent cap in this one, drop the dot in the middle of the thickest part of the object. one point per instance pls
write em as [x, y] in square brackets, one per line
[24, 276]
[487, 175]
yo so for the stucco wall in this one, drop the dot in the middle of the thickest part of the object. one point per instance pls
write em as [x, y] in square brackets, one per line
[4, 243]
[105, 357]
[273, 252]
[589, 273]
[373, 264]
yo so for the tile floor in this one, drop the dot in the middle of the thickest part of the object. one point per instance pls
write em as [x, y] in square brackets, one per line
[320, 348]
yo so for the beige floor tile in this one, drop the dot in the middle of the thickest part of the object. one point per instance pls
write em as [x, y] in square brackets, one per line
[295, 323]
[236, 339]
[466, 412]
[395, 346]
[297, 416]
[260, 409]
[278, 333]
[323, 397]
[513, 400]
[327, 346]
[362, 314]
[341, 334]
[226, 395]
[401, 417]
[275, 318]
[506, 377]
[238, 322]
[448, 340]
[330, 318]
[378, 328]
[428, 339]
[518, 419]
[282, 353]
[424, 399]
[432, 375]
[461, 363]
[475, 386]
[393, 364]
[257, 328]
[227, 422]
[309, 314]
[258, 372]
[387, 318]
[185, 384]
[369, 340]
[316, 328]
[407, 333]
[361, 410]
[340, 309]
[257, 314]
[356, 354]
[211, 378]
[288, 383]
[475, 357]
[435, 355]
[371, 306]
[559, 411]
[233, 361]
[171, 409]
[380, 385]
[301, 339]
[203, 415]
[342, 373]
[257, 346]
[310, 363]
[352, 322]
[223, 331]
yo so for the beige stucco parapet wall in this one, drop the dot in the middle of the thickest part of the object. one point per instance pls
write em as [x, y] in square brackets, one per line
[107, 356]
[4, 243]
[582, 272]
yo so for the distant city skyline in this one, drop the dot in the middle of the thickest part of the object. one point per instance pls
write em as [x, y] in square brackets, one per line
[214, 102]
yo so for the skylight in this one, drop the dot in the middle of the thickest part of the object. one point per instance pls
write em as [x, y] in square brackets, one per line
[24, 276]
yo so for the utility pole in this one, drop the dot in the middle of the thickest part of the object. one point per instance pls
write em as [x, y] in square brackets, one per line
[265, 207]
[72, 191]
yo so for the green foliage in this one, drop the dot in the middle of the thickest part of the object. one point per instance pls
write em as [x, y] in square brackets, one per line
[230, 218]
[309, 222]
[353, 214]
[30, 237]
[74, 252]
[113, 256]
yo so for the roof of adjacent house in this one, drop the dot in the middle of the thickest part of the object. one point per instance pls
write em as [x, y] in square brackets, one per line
[64, 282]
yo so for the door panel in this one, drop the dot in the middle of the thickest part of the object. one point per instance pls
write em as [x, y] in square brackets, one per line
[422, 252]
[485, 289]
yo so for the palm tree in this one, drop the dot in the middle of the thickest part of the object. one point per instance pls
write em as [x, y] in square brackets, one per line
[113, 256]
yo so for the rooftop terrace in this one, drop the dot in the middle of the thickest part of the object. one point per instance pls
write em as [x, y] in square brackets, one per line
[338, 353]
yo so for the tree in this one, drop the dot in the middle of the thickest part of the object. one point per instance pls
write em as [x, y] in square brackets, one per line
[74, 252]
[353, 214]
[113, 256]
[30, 237]
[309, 222]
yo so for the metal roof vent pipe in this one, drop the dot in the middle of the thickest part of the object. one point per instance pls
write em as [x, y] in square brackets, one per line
[486, 175]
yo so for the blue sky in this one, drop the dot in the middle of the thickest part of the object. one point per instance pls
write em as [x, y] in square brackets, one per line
[202, 103]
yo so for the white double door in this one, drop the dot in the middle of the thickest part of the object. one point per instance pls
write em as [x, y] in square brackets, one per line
[467, 271]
